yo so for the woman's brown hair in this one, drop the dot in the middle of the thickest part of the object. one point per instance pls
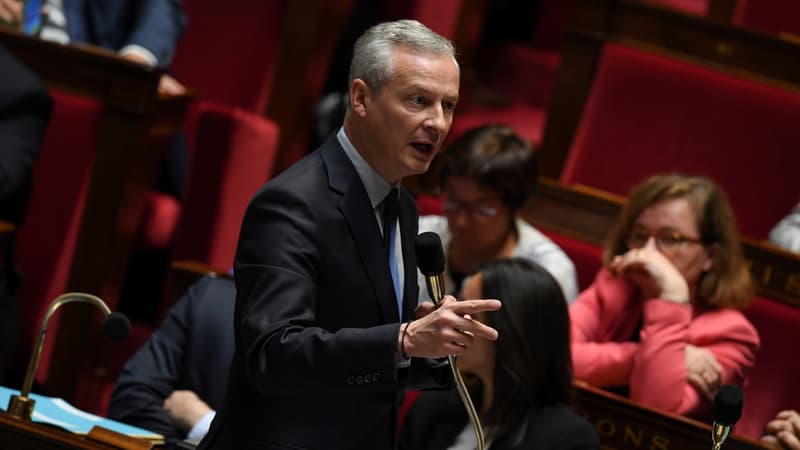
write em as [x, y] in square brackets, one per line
[728, 283]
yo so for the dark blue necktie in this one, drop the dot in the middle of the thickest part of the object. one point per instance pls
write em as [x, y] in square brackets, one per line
[391, 210]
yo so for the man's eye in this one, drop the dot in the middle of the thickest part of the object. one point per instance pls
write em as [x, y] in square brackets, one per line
[418, 100]
[449, 106]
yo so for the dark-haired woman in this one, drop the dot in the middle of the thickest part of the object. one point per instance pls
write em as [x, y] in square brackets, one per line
[521, 383]
[486, 176]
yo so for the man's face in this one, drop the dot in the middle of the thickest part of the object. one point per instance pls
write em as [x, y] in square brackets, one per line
[407, 121]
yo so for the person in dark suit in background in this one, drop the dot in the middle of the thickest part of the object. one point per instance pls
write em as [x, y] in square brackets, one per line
[25, 108]
[143, 31]
[323, 346]
[521, 384]
[175, 382]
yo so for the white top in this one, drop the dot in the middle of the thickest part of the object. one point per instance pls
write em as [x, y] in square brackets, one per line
[787, 232]
[531, 245]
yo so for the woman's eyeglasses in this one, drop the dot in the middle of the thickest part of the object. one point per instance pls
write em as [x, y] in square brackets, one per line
[666, 240]
[477, 212]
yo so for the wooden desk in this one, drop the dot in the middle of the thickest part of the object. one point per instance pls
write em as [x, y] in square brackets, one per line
[623, 424]
[22, 435]
[135, 129]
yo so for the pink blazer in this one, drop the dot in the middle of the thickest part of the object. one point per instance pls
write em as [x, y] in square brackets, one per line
[604, 318]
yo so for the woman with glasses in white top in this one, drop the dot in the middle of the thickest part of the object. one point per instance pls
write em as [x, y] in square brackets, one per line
[661, 320]
[486, 176]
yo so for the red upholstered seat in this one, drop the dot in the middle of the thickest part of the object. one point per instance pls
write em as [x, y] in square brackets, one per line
[772, 385]
[587, 258]
[648, 114]
[699, 7]
[777, 16]
[47, 239]
[234, 155]
[228, 54]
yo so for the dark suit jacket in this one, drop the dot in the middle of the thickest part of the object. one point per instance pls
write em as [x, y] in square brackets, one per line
[153, 24]
[316, 320]
[25, 108]
[191, 350]
[436, 418]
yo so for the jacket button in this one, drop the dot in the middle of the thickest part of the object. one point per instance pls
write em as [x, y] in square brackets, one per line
[350, 379]
[367, 378]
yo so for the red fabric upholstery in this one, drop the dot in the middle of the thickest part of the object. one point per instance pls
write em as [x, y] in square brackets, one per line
[772, 386]
[429, 205]
[160, 218]
[699, 7]
[648, 114]
[440, 16]
[234, 156]
[777, 16]
[47, 239]
[228, 54]
[587, 258]
[527, 120]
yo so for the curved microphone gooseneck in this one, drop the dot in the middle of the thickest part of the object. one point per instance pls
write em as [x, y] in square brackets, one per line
[430, 259]
[115, 326]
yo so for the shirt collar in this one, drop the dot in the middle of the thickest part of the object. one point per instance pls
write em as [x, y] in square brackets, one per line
[377, 187]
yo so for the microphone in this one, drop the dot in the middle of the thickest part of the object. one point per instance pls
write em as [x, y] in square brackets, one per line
[430, 260]
[726, 411]
[115, 326]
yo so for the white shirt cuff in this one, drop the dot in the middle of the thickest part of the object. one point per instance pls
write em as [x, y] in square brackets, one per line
[200, 429]
[151, 59]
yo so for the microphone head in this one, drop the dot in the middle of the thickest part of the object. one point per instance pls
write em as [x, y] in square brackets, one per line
[116, 326]
[727, 406]
[430, 257]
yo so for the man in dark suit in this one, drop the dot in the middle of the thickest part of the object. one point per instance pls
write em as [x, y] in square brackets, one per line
[323, 347]
[25, 108]
[176, 380]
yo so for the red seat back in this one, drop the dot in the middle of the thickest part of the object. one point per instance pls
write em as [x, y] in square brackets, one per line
[772, 385]
[649, 114]
[47, 239]
[227, 54]
[235, 152]
[777, 16]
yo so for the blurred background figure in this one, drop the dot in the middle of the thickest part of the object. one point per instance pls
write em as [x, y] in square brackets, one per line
[486, 176]
[176, 381]
[662, 318]
[25, 108]
[521, 384]
[786, 233]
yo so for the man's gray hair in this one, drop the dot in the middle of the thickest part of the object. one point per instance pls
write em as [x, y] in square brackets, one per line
[372, 53]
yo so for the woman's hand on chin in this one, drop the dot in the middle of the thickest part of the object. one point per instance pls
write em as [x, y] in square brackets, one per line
[653, 273]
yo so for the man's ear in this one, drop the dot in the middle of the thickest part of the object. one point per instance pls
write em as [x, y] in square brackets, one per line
[359, 94]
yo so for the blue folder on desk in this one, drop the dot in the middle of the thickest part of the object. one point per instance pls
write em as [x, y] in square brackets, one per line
[56, 411]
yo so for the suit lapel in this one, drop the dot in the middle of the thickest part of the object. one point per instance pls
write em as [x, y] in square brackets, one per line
[360, 217]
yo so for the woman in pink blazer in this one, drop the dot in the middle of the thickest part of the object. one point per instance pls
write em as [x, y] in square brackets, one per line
[662, 317]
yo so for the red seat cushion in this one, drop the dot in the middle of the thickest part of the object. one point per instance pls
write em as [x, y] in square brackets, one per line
[648, 114]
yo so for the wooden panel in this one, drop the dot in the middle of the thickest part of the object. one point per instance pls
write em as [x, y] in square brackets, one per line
[21, 435]
[622, 424]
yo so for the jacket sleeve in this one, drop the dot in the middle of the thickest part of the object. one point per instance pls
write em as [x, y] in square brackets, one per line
[153, 372]
[286, 350]
[158, 27]
[659, 377]
[599, 363]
